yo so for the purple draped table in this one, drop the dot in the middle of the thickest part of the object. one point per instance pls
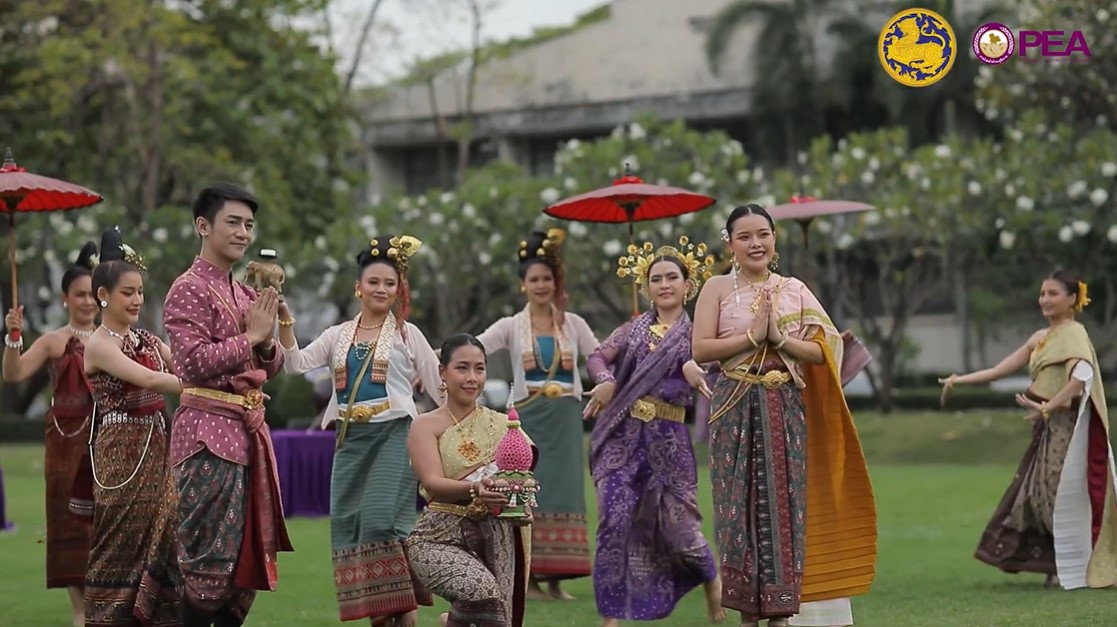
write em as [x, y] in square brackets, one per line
[305, 461]
[4, 524]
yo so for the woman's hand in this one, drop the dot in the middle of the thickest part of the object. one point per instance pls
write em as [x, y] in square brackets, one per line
[486, 495]
[14, 320]
[947, 384]
[758, 333]
[599, 398]
[775, 335]
[696, 377]
[524, 522]
[1035, 409]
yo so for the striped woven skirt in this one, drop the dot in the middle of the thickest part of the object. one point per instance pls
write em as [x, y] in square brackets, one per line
[133, 568]
[372, 511]
[758, 472]
[559, 541]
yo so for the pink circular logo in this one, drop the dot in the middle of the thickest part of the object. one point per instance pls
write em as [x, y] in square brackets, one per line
[993, 43]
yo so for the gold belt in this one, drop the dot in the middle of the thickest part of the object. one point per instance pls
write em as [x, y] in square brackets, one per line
[254, 399]
[475, 511]
[551, 390]
[771, 379]
[648, 409]
[364, 413]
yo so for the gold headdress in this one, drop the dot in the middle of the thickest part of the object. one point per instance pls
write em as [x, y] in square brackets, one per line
[546, 246]
[695, 258]
[113, 248]
[397, 249]
[1083, 298]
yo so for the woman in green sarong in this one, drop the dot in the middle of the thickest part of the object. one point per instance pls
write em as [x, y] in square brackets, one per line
[375, 357]
[1057, 516]
[545, 342]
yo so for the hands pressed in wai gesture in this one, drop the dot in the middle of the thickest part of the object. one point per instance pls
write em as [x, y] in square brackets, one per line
[766, 325]
[263, 316]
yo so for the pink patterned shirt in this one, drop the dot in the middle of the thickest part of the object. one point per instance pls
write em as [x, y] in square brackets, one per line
[204, 315]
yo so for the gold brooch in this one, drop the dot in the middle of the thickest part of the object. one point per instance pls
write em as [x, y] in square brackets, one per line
[254, 399]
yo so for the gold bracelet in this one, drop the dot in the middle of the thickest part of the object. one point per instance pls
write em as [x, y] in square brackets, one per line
[748, 334]
[783, 341]
[286, 323]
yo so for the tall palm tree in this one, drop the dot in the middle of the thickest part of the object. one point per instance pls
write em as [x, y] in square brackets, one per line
[788, 93]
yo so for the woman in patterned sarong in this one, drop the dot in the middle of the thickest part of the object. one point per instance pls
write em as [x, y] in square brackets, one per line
[459, 550]
[1057, 516]
[133, 568]
[374, 358]
[793, 507]
[67, 425]
[650, 547]
[544, 341]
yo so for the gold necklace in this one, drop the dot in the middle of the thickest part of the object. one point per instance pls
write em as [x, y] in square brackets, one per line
[467, 448]
[361, 349]
[754, 308]
[372, 328]
[658, 330]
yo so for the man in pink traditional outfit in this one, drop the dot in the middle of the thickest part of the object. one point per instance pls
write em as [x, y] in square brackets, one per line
[222, 345]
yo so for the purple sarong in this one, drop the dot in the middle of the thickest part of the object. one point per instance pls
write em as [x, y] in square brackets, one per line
[650, 547]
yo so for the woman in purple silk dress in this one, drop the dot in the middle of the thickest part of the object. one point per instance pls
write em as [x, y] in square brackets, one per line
[650, 548]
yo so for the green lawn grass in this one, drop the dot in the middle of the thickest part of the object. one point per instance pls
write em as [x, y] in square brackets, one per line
[937, 477]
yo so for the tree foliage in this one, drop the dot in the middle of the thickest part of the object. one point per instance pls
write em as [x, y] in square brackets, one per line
[1080, 90]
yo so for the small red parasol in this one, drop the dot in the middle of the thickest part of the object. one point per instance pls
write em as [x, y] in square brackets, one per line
[22, 191]
[804, 209]
[629, 200]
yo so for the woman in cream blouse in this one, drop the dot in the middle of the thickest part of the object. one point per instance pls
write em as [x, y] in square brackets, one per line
[545, 342]
[374, 358]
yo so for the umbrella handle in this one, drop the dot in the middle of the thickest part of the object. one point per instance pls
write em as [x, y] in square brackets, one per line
[14, 333]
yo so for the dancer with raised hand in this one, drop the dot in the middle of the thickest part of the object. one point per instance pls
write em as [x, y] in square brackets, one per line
[460, 549]
[67, 425]
[545, 340]
[133, 567]
[1057, 517]
[650, 547]
[230, 516]
[374, 358]
[794, 513]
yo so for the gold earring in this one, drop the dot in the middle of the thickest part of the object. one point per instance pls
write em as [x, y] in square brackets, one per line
[523, 289]
[442, 390]
[775, 262]
[357, 293]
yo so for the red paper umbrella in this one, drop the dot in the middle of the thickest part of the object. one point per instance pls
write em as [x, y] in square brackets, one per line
[803, 209]
[22, 191]
[629, 200]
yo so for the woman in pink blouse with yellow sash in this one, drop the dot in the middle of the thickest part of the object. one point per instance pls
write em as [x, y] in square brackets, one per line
[794, 515]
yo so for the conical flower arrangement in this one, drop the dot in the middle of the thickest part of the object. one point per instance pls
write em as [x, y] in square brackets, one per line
[514, 457]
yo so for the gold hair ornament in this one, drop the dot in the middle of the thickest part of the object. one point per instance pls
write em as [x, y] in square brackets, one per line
[1083, 298]
[695, 258]
[548, 249]
[129, 255]
[133, 257]
[401, 249]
